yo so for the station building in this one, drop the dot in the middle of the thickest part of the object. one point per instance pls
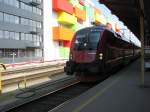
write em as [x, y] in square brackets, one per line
[21, 30]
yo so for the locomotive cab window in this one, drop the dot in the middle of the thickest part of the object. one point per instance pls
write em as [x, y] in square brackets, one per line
[93, 40]
[81, 39]
[87, 39]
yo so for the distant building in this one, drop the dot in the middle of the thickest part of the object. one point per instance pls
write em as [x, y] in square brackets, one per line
[21, 30]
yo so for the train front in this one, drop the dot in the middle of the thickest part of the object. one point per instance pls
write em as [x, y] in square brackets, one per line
[85, 54]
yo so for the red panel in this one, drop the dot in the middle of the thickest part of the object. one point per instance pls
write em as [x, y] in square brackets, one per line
[62, 5]
[67, 43]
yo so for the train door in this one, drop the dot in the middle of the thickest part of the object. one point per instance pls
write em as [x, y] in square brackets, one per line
[109, 53]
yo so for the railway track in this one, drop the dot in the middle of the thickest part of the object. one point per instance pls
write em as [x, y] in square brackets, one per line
[54, 98]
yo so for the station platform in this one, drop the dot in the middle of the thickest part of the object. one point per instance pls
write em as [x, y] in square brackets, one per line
[121, 92]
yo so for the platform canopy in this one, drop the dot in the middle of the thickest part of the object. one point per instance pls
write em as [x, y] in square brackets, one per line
[129, 12]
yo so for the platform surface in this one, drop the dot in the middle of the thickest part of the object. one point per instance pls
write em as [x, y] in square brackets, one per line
[122, 92]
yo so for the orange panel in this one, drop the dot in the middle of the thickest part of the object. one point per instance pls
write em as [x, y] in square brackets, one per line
[62, 33]
[55, 33]
[80, 14]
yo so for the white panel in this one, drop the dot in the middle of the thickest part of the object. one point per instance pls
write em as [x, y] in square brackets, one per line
[51, 51]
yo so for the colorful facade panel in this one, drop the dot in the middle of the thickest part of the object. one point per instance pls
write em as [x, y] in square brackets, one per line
[62, 5]
[64, 52]
[80, 14]
[67, 43]
[65, 18]
[62, 34]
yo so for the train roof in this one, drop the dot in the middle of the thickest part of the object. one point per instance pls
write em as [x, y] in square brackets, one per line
[101, 27]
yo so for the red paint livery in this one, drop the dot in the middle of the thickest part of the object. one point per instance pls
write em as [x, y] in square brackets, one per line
[97, 50]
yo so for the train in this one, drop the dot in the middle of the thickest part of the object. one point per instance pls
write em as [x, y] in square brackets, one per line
[98, 50]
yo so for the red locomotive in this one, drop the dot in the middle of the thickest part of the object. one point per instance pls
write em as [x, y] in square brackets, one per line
[97, 50]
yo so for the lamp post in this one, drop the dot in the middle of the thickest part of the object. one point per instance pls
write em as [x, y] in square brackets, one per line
[13, 57]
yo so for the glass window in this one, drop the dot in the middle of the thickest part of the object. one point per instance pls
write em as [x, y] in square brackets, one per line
[30, 22]
[6, 1]
[11, 2]
[24, 21]
[93, 40]
[34, 24]
[16, 3]
[12, 35]
[1, 16]
[30, 37]
[16, 36]
[39, 11]
[30, 9]
[34, 38]
[22, 36]
[27, 7]
[6, 17]
[34, 10]
[1, 34]
[16, 20]
[11, 19]
[6, 34]
[40, 39]
[39, 1]
[39, 24]
[22, 5]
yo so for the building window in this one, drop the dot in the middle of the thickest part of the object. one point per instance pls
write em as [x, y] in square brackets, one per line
[1, 16]
[6, 17]
[12, 35]
[24, 21]
[16, 36]
[23, 36]
[1, 34]
[14, 3]
[11, 18]
[6, 34]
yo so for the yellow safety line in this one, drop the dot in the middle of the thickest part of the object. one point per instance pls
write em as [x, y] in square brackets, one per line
[78, 109]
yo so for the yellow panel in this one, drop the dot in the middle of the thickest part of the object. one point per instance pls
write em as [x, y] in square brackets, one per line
[97, 17]
[66, 34]
[66, 18]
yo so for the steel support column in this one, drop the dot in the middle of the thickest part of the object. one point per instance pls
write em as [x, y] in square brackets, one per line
[142, 40]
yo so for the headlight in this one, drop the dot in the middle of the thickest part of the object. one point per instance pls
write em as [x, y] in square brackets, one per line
[101, 56]
[71, 57]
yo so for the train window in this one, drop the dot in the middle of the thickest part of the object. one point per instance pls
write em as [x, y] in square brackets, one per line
[93, 40]
[81, 39]
[87, 39]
